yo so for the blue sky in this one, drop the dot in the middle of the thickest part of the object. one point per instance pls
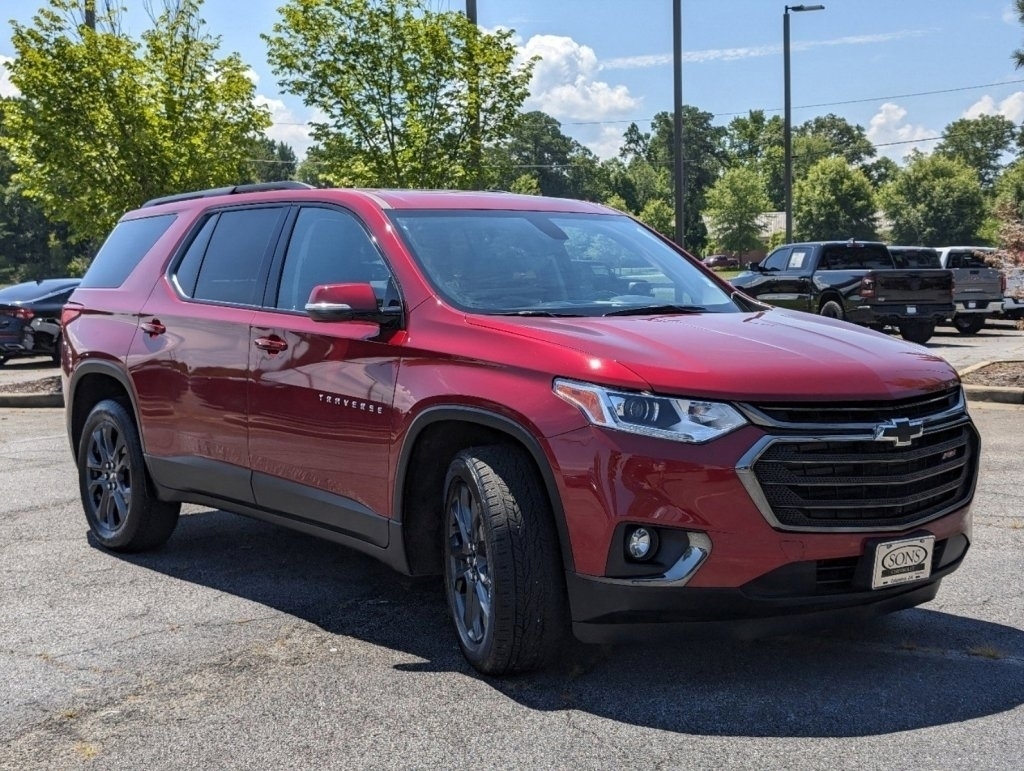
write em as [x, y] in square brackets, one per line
[902, 69]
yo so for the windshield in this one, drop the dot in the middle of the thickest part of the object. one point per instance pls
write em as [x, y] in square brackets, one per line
[554, 264]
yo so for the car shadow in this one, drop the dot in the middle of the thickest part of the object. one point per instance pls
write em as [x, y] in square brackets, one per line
[914, 669]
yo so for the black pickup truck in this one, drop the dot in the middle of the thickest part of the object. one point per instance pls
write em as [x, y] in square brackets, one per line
[853, 280]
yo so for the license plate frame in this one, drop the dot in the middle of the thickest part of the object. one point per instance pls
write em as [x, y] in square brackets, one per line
[901, 561]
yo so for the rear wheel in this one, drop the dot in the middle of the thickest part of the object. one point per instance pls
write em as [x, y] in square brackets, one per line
[968, 325]
[832, 310]
[919, 332]
[502, 569]
[123, 512]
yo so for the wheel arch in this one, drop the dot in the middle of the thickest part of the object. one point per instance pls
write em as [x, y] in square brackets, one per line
[91, 383]
[434, 437]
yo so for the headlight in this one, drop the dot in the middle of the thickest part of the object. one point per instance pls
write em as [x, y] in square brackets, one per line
[681, 420]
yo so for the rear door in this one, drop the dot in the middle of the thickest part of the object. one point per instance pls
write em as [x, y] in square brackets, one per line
[192, 384]
[321, 393]
[786, 278]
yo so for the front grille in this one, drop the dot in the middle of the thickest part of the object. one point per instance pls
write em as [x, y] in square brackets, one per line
[867, 484]
[843, 413]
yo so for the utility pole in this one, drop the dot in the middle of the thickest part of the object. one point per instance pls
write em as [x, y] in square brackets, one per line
[474, 95]
[680, 187]
[90, 14]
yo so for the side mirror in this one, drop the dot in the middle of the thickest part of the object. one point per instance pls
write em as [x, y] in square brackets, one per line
[344, 302]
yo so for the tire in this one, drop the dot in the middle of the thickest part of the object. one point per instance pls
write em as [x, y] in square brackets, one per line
[121, 508]
[832, 310]
[55, 353]
[968, 325]
[919, 332]
[502, 569]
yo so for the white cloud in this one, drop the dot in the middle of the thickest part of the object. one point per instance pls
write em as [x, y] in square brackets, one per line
[751, 52]
[1011, 107]
[566, 87]
[894, 136]
[285, 126]
[564, 83]
[6, 87]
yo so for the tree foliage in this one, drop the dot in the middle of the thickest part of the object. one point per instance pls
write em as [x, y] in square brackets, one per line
[272, 161]
[105, 122]
[980, 143]
[410, 96]
[734, 206]
[934, 201]
[833, 201]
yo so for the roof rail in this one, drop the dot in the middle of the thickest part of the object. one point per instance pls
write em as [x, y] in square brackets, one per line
[258, 187]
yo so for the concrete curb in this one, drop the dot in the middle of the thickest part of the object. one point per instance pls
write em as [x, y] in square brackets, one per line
[31, 400]
[1001, 394]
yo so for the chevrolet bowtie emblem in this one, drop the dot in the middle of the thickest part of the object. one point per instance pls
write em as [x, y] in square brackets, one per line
[901, 432]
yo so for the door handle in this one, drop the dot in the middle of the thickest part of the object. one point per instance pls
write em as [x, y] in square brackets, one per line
[153, 328]
[270, 344]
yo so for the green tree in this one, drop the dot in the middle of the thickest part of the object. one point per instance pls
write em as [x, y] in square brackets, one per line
[1018, 55]
[757, 141]
[980, 143]
[704, 160]
[734, 206]
[833, 201]
[411, 96]
[934, 201]
[272, 161]
[835, 136]
[561, 166]
[105, 122]
[659, 215]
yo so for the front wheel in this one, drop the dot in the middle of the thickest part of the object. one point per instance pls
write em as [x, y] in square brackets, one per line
[502, 569]
[968, 325]
[919, 332]
[123, 512]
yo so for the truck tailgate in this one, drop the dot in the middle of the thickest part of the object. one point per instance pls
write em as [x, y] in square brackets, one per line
[913, 286]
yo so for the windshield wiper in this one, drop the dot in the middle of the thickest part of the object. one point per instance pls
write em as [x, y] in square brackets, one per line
[549, 314]
[645, 310]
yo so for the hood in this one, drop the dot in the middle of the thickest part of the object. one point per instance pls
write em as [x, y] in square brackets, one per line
[772, 355]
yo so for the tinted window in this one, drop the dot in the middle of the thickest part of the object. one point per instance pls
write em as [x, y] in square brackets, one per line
[328, 246]
[967, 259]
[124, 248]
[223, 265]
[188, 270]
[777, 260]
[916, 258]
[856, 257]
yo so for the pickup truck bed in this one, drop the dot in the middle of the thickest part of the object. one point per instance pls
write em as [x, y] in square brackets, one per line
[856, 281]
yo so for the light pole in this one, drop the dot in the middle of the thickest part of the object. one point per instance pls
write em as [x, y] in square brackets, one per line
[677, 132]
[787, 129]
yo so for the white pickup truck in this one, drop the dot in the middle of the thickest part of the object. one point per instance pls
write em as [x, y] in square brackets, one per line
[979, 287]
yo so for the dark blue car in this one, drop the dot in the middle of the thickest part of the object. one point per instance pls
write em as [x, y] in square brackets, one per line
[30, 317]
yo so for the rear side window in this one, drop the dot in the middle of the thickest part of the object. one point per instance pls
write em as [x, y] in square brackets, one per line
[967, 259]
[222, 263]
[124, 248]
[845, 257]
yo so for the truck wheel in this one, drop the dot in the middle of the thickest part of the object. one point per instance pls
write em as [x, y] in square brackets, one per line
[919, 332]
[123, 512]
[502, 569]
[968, 325]
[832, 310]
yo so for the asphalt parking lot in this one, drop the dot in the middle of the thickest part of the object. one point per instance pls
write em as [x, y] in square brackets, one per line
[241, 645]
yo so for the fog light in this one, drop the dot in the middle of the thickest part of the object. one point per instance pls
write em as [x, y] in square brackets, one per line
[641, 544]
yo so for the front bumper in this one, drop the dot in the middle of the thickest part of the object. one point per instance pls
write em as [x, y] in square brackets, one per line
[798, 596]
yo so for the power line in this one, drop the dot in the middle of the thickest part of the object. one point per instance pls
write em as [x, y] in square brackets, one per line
[773, 109]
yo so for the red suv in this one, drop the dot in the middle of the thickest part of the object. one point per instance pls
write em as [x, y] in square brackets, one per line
[575, 423]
